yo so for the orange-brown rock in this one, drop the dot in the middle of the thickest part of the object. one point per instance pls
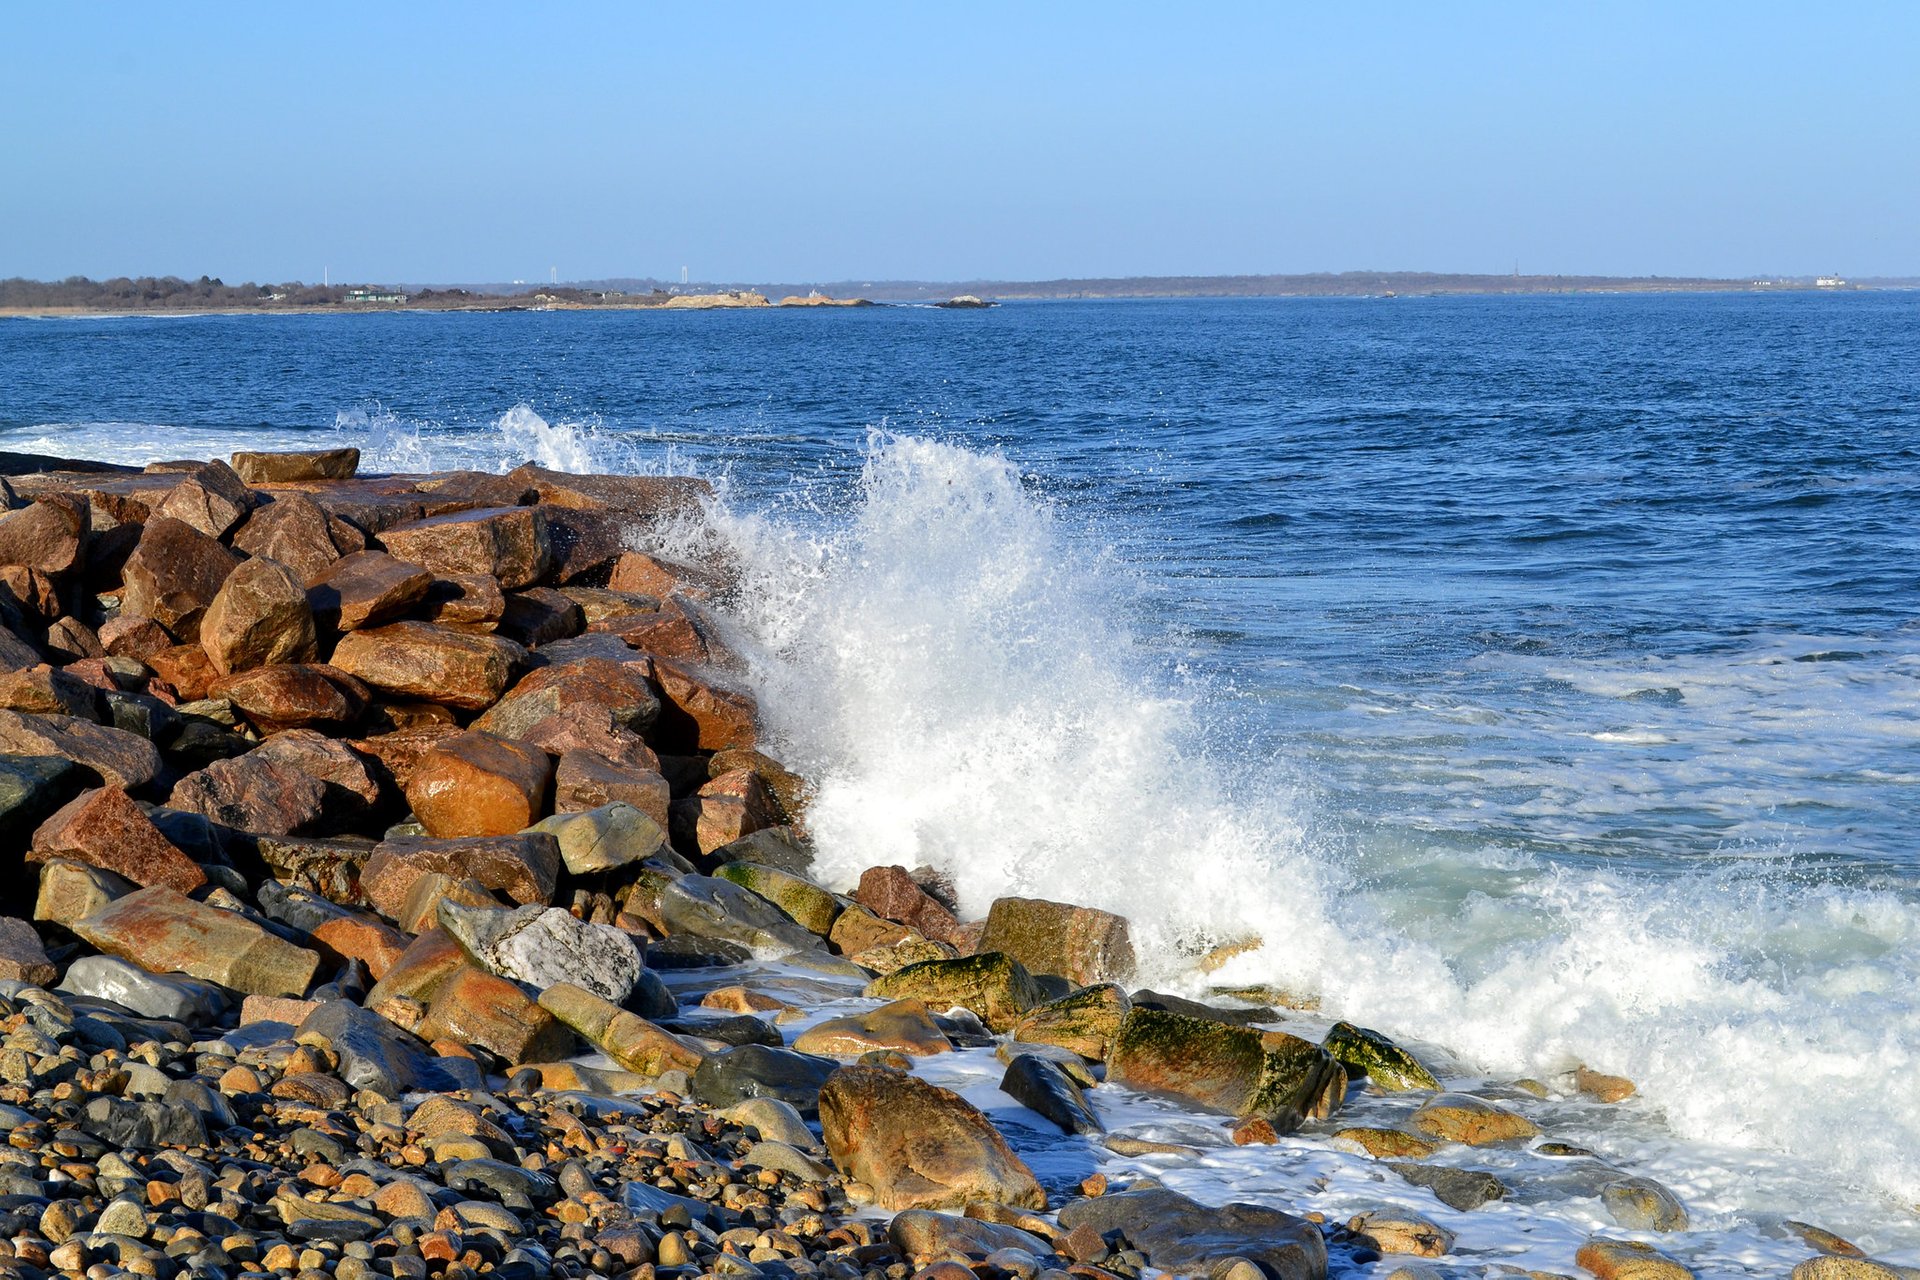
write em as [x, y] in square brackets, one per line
[116, 757]
[523, 866]
[366, 589]
[919, 1146]
[420, 660]
[23, 957]
[163, 931]
[597, 604]
[399, 751]
[467, 601]
[362, 938]
[106, 829]
[31, 590]
[48, 535]
[48, 691]
[1081, 944]
[509, 543]
[643, 500]
[1605, 1088]
[643, 574]
[624, 689]
[904, 1026]
[252, 793]
[587, 728]
[210, 498]
[173, 575]
[293, 696]
[260, 616]
[858, 930]
[293, 530]
[1474, 1122]
[539, 616]
[293, 465]
[731, 806]
[479, 784]
[128, 636]
[788, 787]
[669, 631]
[474, 1007]
[71, 640]
[586, 780]
[699, 710]
[351, 787]
[893, 893]
[186, 669]
[418, 973]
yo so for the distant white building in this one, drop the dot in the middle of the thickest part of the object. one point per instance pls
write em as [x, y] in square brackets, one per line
[1829, 282]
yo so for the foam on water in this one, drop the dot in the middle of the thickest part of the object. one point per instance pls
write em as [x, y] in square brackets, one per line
[953, 672]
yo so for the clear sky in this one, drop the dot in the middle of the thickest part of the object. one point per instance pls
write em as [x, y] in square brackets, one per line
[790, 142]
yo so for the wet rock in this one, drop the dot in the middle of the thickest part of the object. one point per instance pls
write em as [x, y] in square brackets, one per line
[162, 931]
[856, 931]
[1236, 1070]
[1390, 1232]
[917, 1145]
[810, 906]
[757, 1071]
[1042, 1086]
[477, 784]
[892, 894]
[778, 847]
[292, 465]
[34, 785]
[723, 911]
[1461, 1189]
[366, 589]
[633, 1042]
[472, 1007]
[729, 807]
[23, 957]
[173, 575]
[374, 1054]
[106, 829]
[922, 1236]
[210, 498]
[1475, 1122]
[1078, 943]
[1602, 1087]
[465, 601]
[417, 976]
[126, 1124]
[604, 838]
[995, 987]
[1823, 1240]
[773, 1120]
[1084, 1022]
[508, 543]
[254, 793]
[293, 696]
[1641, 1204]
[1183, 1237]
[1382, 1143]
[329, 867]
[260, 616]
[1826, 1268]
[70, 891]
[640, 573]
[904, 1026]
[48, 535]
[700, 710]
[1370, 1054]
[116, 757]
[524, 867]
[433, 664]
[1630, 1260]
[542, 946]
[586, 780]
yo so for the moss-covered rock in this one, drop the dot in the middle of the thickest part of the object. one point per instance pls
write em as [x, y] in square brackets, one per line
[1370, 1054]
[812, 908]
[995, 987]
[1081, 944]
[1237, 1070]
[1084, 1022]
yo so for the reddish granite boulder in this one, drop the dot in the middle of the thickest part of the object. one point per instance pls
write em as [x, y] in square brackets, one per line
[48, 535]
[420, 660]
[366, 589]
[106, 829]
[919, 1146]
[893, 893]
[586, 780]
[115, 756]
[509, 543]
[660, 577]
[589, 728]
[539, 616]
[186, 669]
[642, 500]
[466, 602]
[293, 696]
[252, 793]
[44, 690]
[731, 806]
[294, 465]
[133, 637]
[474, 1007]
[523, 866]
[173, 575]
[163, 931]
[624, 689]
[71, 640]
[362, 938]
[478, 784]
[400, 751]
[23, 957]
[351, 787]
[293, 530]
[259, 617]
[669, 631]
[210, 498]
[701, 711]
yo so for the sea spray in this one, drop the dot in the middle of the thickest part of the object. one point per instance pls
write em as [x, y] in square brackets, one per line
[953, 672]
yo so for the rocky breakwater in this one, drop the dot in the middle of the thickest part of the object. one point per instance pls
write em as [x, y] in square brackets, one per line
[404, 892]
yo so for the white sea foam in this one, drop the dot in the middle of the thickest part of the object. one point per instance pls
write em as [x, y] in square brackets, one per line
[952, 672]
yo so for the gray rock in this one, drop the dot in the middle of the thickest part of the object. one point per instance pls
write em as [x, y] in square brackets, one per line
[513, 1186]
[1041, 1085]
[651, 999]
[757, 1071]
[613, 835]
[1185, 1237]
[290, 905]
[542, 946]
[784, 1159]
[709, 907]
[1641, 1204]
[775, 1120]
[776, 847]
[924, 1235]
[733, 1029]
[1461, 1189]
[374, 1054]
[31, 787]
[173, 997]
[121, 1123]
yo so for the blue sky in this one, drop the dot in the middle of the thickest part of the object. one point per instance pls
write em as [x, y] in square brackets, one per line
[479, 142]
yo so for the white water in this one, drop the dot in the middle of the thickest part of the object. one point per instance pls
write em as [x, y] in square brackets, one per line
[952, 674]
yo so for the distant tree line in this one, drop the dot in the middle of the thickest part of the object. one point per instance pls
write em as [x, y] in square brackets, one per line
[163, 293]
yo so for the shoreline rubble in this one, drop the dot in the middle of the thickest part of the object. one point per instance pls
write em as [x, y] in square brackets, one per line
[406, 893]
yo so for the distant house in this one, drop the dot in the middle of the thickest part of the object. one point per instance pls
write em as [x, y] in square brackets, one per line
[1830, 282]
[374, 295]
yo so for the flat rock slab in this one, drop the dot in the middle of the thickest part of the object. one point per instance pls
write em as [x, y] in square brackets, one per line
[106, 829]
[163, 931]
[365, 589]
[119, 758]
[507, 543]
[305, 464]
[419, 660]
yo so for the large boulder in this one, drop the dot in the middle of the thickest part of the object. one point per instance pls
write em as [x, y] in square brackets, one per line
[1370, 1054]
[919, 1146]
[621, 688]
[210, 498]
[1236, 1070]
[365, 589]
[1471, 1121]
[812, 908]
[294, 696]
[542, 946]
[758, 1071]
[1080, 944]
[702, 711]
[49, 535]
[106, 829]
[259, 617]
[430, 663]
[724, 810]
[292, 465]
[477, 784]
[118, 758]
[708, 907]
[1044, 1087]
[509, 543]
[293, 530]
[893, 893]
[1632, 1260]
[903, 1026]
[254, 793]
[173, 575]
[163, 931]
[524, 867]
[584, 779]
[476, 1008]
[23, 957]
[1181, 1236]
[627, 1038]
[1084, 1021]
[995, 987]
[604, 838]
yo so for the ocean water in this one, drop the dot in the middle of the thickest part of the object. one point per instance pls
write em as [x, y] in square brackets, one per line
[1533, 679]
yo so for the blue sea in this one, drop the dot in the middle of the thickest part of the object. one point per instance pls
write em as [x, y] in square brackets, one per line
[1534, 679]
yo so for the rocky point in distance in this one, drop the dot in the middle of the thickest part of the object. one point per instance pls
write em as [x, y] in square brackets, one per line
[406, 894]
